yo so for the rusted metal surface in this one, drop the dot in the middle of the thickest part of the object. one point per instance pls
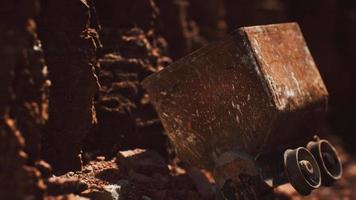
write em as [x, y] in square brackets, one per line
[249, 92]
[288, 69]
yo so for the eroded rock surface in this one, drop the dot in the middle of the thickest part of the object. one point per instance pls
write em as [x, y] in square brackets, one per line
[70, 43]
[132, 49]
[21, 103]
[17, 180]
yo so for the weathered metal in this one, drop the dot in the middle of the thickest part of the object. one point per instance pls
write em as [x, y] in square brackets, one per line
[256, 92]
[302, 170]
[328, 160]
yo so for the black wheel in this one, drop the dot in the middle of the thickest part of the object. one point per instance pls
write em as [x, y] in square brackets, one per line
[302, 170]
[328, 160]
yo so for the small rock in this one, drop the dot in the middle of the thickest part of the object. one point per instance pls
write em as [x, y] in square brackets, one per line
[87, 169]
[143, 161]
[100, 158]
[63, 185]
[144, 197]
[118, 191]
[69, 174]
[114, 190]
[98, 195]
[44, 168]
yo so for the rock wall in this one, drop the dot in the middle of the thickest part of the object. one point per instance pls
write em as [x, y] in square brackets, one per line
[22, 104]
[70, 43]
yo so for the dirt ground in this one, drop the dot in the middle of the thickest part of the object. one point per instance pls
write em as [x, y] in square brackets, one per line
[141, 174]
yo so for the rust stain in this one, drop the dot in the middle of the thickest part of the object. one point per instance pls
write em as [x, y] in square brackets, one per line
[238, 94]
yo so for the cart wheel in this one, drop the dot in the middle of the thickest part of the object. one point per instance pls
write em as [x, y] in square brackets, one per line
[302, 170]
[328, 160]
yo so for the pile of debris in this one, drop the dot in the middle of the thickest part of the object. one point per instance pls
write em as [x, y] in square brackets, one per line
[134, 174]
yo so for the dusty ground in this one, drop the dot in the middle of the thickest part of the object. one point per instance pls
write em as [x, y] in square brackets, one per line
[142, 174]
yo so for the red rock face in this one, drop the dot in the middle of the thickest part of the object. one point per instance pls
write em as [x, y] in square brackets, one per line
[70, 45]
[126, 119]
[22, 104]
[18, 181]
[24, 75]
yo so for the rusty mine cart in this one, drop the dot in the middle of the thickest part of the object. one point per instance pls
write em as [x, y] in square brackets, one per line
[245, 107]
